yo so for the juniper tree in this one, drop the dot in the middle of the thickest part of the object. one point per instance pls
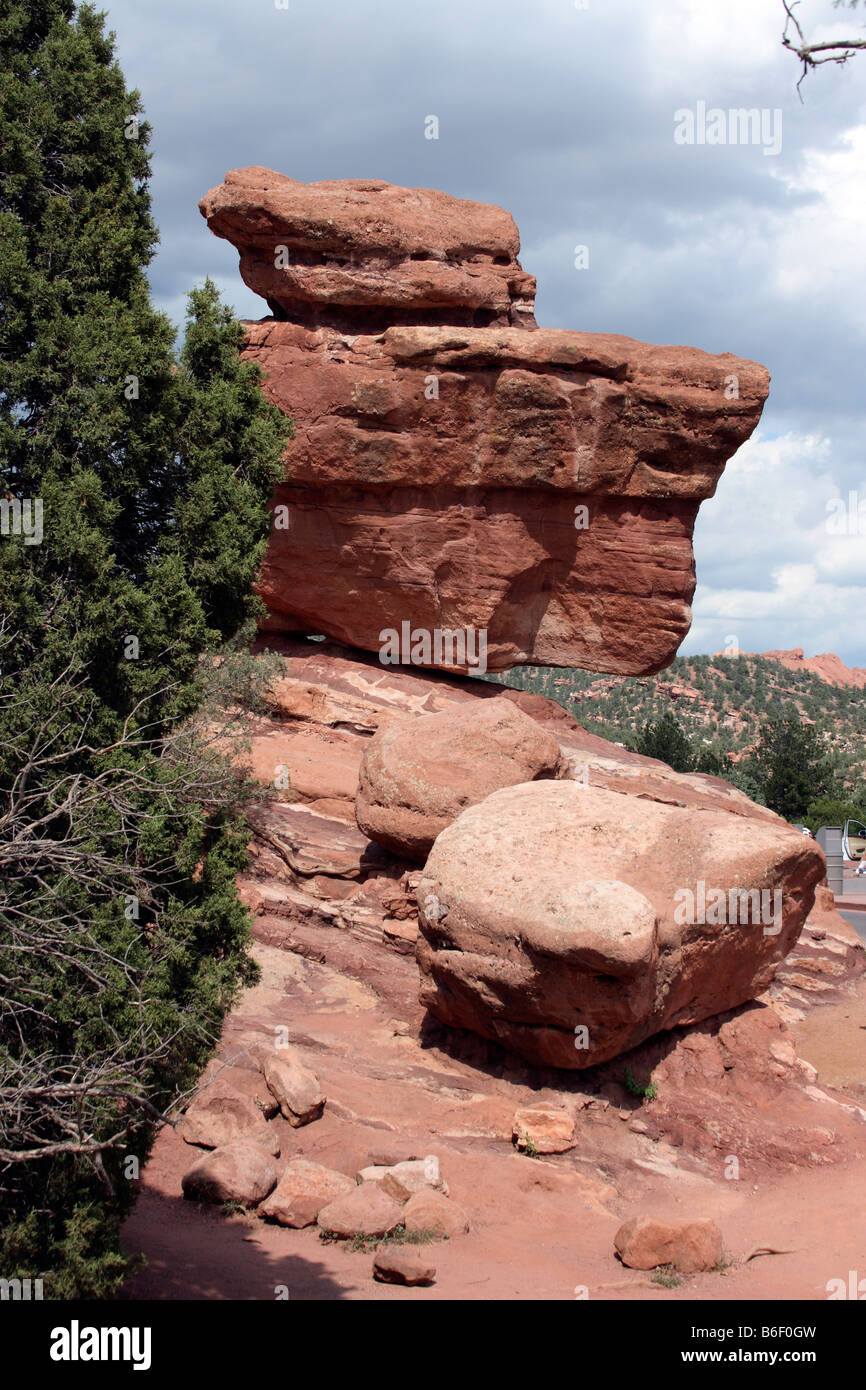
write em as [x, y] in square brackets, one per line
[122, 941]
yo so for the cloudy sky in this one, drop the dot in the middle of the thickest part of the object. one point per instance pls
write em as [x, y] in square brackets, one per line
[563, 111]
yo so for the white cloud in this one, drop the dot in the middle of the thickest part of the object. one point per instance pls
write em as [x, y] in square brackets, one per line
[779, 565]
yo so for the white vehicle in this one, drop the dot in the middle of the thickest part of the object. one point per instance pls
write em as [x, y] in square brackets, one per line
[854, 844]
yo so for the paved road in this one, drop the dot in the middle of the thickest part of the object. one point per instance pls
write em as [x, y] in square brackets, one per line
[855, 919]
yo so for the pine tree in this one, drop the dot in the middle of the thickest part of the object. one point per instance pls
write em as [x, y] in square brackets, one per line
[792, 767]
[664, 739]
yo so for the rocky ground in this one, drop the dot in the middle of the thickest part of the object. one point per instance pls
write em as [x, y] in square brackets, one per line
[754, 1119]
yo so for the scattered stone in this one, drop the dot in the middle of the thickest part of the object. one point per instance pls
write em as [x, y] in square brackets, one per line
[302, 1191]
[237, 1172]
[544, 1129]
[366, 1211]
[401, 934]
[690, 1246]
[396, 1152]
[296, 1089]
[392, 1266]
[431, 1211]
[218, 1117]
[401, 1180]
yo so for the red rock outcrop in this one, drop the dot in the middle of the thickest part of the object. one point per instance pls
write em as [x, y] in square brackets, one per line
[403, 1089]
[571, 923]
[455, 468]
[826, 666]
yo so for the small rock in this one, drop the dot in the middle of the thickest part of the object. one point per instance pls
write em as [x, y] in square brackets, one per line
[547, 1129]
[397, 1267]
[237, 1172]
[401, 1180]
[396, 1152]
[302, 1191]
[690, 1246]
[296, 1089]
[431, 1211]
[401, 934]
[366, 1211]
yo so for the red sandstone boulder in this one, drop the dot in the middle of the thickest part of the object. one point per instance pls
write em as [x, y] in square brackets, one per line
[366, 1211]
[363, 244]
[451, 470]
[296, 1089]
[690, 1246]
[237, 1172]
[570, 923]
[544, 1129]
[220, 1115]
[428, 1210]
[392, 1266]
[402, 1180]
[302, 1191]
[417, 775]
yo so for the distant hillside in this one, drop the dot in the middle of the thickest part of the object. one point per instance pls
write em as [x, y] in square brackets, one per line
[719, 701]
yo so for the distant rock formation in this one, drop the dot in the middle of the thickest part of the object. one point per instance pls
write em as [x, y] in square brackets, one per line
[826, 666]
[456, 468]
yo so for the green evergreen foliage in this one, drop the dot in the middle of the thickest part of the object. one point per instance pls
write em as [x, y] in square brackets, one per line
[122, 941]
[720, 705]
[664, 739]
[791, 765]
[830, 811]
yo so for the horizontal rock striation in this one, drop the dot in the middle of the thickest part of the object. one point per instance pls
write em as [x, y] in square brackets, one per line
[454, 467]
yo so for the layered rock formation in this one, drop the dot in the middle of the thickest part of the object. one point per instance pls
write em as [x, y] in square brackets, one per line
[320, 886]
[456, 469]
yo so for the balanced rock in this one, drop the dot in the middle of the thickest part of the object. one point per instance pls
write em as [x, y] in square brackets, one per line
[295, 1088]
[302, 1191]
[366, 1211]
[457, 473]
[417, 775]
[570, 923]
[237, 1172]
[690, 1246]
